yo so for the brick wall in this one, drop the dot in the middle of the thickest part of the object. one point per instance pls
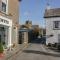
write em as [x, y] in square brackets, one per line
[13, 10]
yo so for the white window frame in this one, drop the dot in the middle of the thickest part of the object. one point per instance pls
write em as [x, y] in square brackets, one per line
[3, 7]
[6, 2]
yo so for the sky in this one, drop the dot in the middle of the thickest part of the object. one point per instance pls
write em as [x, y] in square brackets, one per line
[33, 10]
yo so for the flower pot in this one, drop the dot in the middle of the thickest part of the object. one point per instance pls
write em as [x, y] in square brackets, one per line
[2, 57]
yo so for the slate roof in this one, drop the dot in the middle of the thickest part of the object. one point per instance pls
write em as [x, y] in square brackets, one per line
[52, 13]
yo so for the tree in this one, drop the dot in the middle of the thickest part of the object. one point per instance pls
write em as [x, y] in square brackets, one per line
[36, 31]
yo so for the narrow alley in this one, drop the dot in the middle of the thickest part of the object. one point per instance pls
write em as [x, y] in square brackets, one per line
[35, 51]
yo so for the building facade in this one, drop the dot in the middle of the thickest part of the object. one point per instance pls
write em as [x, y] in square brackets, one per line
[23, 36]
[28, 24]
[52, 18]
[9, 21]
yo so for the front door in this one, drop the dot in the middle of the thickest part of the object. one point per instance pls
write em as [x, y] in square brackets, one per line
[2, 35]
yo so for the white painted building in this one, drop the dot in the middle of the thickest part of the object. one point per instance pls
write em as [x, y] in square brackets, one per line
[52, 18]
[5, 24]
[5, 30]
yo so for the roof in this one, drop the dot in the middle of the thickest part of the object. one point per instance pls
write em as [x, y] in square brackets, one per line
[52, 13]
[25, 30]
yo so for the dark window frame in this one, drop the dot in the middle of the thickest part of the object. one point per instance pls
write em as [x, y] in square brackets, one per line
[56, 25]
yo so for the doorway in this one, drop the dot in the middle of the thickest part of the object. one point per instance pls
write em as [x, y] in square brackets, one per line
[3, 34]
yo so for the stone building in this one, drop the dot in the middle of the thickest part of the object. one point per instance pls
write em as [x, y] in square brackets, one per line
[52, 18]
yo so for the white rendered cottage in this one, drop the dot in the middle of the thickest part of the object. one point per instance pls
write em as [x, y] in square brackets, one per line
[52, 18]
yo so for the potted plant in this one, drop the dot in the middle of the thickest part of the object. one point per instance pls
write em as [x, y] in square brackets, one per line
[1, 49]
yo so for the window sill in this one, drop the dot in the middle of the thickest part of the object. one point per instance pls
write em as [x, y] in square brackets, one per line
[3, 12]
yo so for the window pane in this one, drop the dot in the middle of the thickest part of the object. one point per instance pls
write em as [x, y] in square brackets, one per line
[56, 24]
[3, 7]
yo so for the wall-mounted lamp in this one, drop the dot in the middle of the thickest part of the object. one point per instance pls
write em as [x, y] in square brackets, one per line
[14, 27]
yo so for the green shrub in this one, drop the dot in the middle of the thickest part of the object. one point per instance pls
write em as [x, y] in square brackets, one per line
[1, 48]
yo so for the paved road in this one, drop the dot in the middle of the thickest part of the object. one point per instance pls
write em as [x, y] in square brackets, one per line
[34, 52]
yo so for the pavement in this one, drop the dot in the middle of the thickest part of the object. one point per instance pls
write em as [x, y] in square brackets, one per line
[10, 53]
[36, 51]
[51, 51]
